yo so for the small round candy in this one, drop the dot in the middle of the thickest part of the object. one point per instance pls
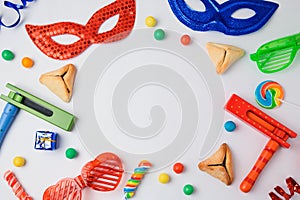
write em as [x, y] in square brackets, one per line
[163, 178]
[159, 34]
[27, 62]
[185, 39]
[178, 168]
[7, 55]
[229, 126]
[150, 21]
[268, 94]
[19, 161]
[188, 189]
[71, 153]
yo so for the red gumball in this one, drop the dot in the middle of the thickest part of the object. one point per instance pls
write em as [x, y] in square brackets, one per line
[185, 39]
[178, 168]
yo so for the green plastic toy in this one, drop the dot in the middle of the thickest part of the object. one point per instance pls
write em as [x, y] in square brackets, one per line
[39, 107]
[277, 55]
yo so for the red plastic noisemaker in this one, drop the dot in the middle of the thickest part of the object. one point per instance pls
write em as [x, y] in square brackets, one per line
[278, 133]
[259, 120]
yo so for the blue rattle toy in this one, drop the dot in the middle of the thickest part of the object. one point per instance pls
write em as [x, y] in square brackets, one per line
[218, 17]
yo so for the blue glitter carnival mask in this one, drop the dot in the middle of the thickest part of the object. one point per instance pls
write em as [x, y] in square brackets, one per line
[218, 17]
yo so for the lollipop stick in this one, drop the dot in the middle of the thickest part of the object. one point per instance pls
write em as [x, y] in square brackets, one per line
[289, 103]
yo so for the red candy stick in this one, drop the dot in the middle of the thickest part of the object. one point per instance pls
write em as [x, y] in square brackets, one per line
[16, 186]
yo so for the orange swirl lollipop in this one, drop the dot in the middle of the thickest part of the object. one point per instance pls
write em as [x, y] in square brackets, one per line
[269, 94]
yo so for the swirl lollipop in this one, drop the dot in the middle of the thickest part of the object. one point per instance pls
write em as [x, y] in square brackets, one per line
[102, 174]
[269, 94]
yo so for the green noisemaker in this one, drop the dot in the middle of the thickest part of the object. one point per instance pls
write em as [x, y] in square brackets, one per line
[39, 107]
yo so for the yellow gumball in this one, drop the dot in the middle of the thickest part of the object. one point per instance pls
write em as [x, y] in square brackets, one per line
[150, 21]
[163, 178]
[19, 161]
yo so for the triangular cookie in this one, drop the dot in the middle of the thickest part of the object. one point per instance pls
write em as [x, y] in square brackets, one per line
[219, 165]
[60, 81]
[223, 55]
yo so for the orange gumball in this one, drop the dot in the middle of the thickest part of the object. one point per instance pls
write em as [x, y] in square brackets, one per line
[27, 62]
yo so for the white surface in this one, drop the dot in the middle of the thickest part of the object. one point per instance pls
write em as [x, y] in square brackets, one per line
[175, 100]
[46, 168]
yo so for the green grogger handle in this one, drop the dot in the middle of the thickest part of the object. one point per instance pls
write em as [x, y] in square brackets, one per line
[39, 108]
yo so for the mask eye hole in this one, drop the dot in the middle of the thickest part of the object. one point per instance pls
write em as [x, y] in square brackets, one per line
[221, 1]
[109, 24]
[65, 39]
[243, 13]
[196, 5]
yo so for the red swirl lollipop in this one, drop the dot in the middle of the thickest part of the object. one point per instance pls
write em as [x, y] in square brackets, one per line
[102, 174]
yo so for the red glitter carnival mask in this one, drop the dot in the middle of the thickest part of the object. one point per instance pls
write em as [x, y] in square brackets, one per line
[88, 34]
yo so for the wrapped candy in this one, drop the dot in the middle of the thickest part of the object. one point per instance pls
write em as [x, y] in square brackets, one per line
[45, 140]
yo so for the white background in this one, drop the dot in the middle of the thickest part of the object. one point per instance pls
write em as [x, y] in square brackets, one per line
[43, 169]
